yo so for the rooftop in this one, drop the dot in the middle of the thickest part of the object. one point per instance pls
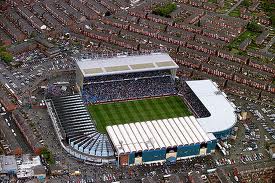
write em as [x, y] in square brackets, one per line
[126, 64]
[157, 134]
[221, 109]
[7, 164]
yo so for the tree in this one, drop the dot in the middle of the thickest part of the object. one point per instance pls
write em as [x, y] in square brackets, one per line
[269, 7]
[6, 56]
[246, 3]
[2, 48]
[47, 155]
[165, 10]
[272, 18]
[37, 151]
[254, 27]
[18, 151]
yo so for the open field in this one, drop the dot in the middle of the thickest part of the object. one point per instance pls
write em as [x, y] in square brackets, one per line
[137, 111]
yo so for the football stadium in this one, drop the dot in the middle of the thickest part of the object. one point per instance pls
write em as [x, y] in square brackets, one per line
[132, 110]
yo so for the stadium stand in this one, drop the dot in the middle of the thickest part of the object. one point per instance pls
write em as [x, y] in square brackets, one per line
[77, 128]
[126, 77]
[223, 116]
[192, 100]
[128, 86]
[166, 140]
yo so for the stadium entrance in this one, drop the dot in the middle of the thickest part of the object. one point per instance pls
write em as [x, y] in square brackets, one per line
[171, 155]
[203, 148]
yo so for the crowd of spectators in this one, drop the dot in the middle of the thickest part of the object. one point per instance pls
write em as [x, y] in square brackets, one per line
[123, 87]
[192, 100]
[119, 77]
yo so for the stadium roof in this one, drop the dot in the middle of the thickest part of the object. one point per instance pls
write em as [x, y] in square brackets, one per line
[157, 134]
[126, 64]
[78, 126]
[221, 109]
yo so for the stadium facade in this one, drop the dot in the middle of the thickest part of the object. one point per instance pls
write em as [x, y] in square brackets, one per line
[165, 140]
[158, 141]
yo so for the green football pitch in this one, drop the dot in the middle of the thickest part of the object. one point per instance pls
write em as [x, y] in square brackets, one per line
[137, 111]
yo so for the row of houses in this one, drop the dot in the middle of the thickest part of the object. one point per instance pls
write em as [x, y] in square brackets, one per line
[191, 44]
[257, 74]
[260, 39]
[250, 81]
[186, 35]
[52, 22]
[189, 27]
[194, 54]
[89, 13]
[260, 54]
[225, 64]
[22, 47]
[223, 21]
[220, 72]
[223, 32]
[35, 22]
[123, 42]
[226, 27]
[11, 29]
[110, 5]
[151, 24]
[209, 41]
[159, 19]
[174, 39]
[97, 7]
[232, 57]
[62, 17]
[238, 77]
[202, 47]
[242, 90]
[4, 38]
[22, 23]
[245, 43]
[188, 62]
[162, 36]
[70, 11]
[143, 16]
[26, 130]
[268, 67]
[38, 9]
[244, 75]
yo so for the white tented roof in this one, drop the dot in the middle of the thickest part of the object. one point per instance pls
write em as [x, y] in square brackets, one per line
[157, 134]
[126, 64]
[222, 112]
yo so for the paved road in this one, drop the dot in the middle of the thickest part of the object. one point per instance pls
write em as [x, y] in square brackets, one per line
[233, 7]
[19, 136]
[12, 134]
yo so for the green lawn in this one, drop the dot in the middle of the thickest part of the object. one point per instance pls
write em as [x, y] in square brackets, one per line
[227, 5]
[235, 13]
[137, 111]
[234, 45]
